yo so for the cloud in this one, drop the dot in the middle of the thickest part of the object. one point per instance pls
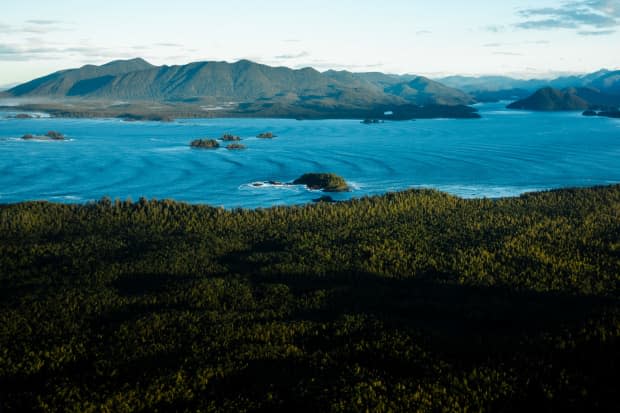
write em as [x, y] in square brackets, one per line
[42, 26]
[169, 45]
[493, 28]
[596, 32]
[584, 16]
[502, 53]
[292, 56]
[14, 53]
[44, 22]
[423, 32]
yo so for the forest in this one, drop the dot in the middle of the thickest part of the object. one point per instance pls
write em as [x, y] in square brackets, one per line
[416, 301]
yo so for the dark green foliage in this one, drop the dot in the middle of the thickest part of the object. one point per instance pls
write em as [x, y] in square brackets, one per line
[266, 135]
[328, 182]
[414, 301]
[204, 144]
[55, 135]
[229, 137]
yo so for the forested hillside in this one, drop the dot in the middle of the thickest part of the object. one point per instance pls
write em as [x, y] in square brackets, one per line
[413, 301]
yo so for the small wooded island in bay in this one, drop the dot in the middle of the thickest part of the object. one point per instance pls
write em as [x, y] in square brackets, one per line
[328, 182]
[204, 144]
[49, 136]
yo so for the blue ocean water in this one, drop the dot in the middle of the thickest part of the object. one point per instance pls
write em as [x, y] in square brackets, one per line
[505, 153]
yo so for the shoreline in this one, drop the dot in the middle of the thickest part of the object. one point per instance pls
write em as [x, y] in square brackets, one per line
[73, 199]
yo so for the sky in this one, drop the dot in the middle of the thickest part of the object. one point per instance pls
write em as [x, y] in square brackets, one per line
[525, 38]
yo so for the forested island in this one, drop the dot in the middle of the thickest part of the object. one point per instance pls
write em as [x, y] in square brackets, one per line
[412, 301]
[49, 136]
[328, 182]
[204, 144]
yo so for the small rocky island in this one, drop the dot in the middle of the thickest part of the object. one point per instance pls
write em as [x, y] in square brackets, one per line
[227, 137]
[49, 136]
[266, 135]
[611, 113]
[371, 121]
[328, 182]
[204, 144]
[235, 147]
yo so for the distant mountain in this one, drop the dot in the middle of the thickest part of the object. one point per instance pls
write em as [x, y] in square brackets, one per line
[551, 99]
[494, 88]
[608, 82]
[425, 91]
[567, 99]
[62, 83]
[7, 87]
[243, 81]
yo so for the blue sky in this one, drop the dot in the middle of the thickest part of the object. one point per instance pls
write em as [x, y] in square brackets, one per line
[520, 38]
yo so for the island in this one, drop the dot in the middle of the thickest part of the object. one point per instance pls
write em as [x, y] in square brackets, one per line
[328, 182]
[49, 136]
[227, 137]
[23, 116]
[610, 113]
[204, 144]
[613, 113]
[550, 99]
[235, 146]
[135, 117]
[369, 121]
[266, 135]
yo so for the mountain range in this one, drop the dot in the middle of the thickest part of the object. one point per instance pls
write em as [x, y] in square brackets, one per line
[597, 89]
[137, 89]
[251, 88]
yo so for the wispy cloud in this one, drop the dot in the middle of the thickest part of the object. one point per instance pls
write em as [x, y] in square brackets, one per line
[504, 53]
[169, 45]
[291, 56]
[44, 22]
[21, 53]
[587, 17]
[494, 28]
[423, 32]
[596, 32]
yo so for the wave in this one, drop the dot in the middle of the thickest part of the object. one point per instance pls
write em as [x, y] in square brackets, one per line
[271, 185]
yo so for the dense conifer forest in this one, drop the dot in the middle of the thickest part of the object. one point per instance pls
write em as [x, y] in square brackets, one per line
[412, 301]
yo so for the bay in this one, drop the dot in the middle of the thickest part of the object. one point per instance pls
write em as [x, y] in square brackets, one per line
[505, 153]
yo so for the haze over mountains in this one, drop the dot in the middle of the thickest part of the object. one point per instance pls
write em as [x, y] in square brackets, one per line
[245, 88]
[598, 89]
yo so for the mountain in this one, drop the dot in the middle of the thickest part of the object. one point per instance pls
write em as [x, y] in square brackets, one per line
[253, 87]
[425, 91]
[495, 88]
[568, 99]
[608, 82]
[549, 98]
[61, 83]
